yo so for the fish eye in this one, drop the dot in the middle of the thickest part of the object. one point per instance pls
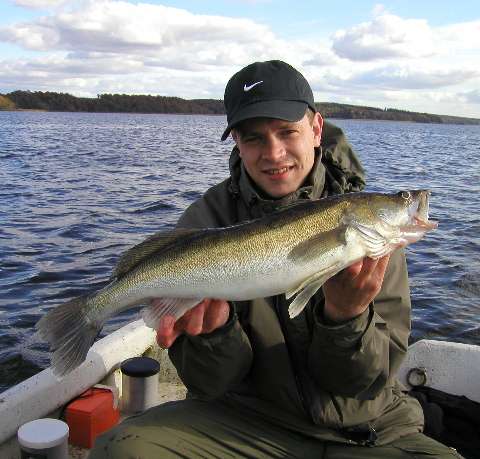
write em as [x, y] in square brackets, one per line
[405, 194]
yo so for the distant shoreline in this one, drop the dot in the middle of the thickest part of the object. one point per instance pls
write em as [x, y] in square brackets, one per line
[24, 110]
[474, 123]
[123, 103]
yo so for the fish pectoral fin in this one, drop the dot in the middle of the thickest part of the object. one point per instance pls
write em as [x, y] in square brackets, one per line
[375, 243]
[175, 307]
[322, 245]
[323, 275]
[318, 245]
[303, 297]
[154, 243]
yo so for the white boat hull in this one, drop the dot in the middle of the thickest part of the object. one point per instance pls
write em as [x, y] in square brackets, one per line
[450, 367]
[447, 366]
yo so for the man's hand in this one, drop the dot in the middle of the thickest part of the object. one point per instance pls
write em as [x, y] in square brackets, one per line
[205, 317]
[348, 293]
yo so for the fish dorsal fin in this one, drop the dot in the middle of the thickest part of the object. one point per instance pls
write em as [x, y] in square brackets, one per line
[154, 243]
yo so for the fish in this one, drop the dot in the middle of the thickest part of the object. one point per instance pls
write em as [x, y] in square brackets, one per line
[293, 251]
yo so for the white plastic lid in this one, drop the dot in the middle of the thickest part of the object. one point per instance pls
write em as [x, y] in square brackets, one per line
[42, 433]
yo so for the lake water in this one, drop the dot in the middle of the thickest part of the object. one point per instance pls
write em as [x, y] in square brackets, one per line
[77, 189]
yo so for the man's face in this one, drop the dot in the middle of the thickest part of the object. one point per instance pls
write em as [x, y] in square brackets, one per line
[278, 155]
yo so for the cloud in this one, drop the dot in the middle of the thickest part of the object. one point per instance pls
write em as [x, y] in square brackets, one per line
[386, 36]
[472, 97]
[398, 77]
[103, 74]
[40, 4]
[319, 57]
[114, 40]
[121, 27]
[87, 47]
[432, 89]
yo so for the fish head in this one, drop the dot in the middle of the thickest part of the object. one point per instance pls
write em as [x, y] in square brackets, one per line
[405, 213]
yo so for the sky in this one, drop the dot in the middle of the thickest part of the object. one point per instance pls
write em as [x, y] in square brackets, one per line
[421, 55]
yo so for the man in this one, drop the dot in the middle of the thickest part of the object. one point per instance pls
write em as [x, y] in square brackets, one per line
[262, 385]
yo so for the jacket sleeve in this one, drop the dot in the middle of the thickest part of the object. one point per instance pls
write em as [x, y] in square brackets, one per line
[211, 364]
[359, 358]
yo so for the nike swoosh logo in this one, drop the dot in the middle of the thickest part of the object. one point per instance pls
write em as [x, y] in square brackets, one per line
[247, 88]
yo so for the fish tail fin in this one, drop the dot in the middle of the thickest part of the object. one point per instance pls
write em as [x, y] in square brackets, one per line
[70, 333]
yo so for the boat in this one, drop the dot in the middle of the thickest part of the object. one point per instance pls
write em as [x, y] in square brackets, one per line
[44, 395]
[444, 365]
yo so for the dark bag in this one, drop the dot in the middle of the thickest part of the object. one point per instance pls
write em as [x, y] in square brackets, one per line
[453, 420]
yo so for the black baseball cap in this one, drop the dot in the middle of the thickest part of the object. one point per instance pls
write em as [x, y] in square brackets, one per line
[271, 89]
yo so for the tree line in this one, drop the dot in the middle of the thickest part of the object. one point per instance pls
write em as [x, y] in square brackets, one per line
[124, 103]
[62, 102]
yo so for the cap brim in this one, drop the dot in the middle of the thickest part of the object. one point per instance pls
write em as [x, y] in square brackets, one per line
[288, 110]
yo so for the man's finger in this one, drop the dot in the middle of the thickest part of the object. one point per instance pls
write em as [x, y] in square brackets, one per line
[216, 315]
[165, 341]
[193, 325]
[371, 277]
[369, 266]
[166, 334]
[354, 269]
[382, 265]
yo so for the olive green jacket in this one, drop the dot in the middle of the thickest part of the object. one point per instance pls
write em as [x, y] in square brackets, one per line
[332, 382]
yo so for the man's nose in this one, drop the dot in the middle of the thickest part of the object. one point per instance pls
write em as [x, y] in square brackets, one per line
[273, 148]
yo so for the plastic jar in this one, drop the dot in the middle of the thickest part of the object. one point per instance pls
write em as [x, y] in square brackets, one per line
[139, 384]
[43, 439]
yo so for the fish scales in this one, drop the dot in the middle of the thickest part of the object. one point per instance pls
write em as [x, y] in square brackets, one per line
[229, 251]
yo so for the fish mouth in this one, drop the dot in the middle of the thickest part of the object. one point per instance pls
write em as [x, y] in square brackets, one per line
[419, 208]
[419, 222]
[425, 224]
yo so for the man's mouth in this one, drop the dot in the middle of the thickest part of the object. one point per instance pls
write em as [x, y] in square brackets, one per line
[278, 171]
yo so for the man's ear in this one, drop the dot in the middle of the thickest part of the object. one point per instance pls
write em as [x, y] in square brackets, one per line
[236, 137]
[317, 126]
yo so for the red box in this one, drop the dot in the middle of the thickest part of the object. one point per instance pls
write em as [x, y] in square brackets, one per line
[89, 415]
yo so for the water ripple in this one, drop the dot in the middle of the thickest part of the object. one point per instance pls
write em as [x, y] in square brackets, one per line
[77, 189]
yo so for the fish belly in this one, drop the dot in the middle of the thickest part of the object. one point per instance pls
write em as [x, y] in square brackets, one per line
[233, 281]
